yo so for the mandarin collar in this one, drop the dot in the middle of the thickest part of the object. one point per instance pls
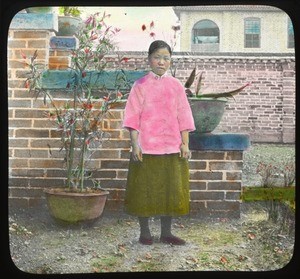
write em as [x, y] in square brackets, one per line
[157, 76]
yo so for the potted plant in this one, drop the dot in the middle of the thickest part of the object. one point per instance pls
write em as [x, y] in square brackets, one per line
[207, 108]
[79, 121]
[69, 21]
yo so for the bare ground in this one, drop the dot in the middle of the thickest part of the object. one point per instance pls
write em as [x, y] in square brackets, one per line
[251, 243]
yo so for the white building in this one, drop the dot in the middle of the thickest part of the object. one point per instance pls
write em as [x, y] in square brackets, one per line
[235, 29]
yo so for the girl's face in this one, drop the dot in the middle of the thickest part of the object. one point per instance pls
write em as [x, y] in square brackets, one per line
[160, 61]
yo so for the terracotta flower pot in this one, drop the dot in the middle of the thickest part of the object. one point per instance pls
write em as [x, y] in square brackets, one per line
[71, 207]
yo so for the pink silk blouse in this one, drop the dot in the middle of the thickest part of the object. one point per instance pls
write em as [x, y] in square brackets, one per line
[158, 108]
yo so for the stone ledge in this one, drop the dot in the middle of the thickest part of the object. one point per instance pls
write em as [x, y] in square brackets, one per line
[34, 22]
[218, 142]
[58, 79]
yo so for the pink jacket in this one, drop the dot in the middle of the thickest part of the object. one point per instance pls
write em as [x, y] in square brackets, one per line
[158, 108]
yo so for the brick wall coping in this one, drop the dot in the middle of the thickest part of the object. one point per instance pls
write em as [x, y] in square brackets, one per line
[22, 21]
[269, 57]
[58, 79]
[219, 141]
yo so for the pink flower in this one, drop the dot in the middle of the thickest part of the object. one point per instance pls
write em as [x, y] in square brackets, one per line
[27, 84]
[152, 35]
[125, 59]
[89, 19]
[94, 37]
[23, 55]
[152, 24]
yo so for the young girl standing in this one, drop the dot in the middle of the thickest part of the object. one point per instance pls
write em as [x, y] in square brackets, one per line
[159, 119]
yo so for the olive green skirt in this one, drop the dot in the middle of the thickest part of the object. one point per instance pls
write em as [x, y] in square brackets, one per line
[158, 186]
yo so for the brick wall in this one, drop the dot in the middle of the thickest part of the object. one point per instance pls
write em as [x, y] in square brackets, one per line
[265, 110]
[215, 175]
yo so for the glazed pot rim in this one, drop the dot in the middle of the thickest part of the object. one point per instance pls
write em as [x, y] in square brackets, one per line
[78, 194]
[208, 99]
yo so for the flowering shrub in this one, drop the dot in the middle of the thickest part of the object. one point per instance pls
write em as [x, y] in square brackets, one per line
[80, 119]
[270, 172]
[267, 171]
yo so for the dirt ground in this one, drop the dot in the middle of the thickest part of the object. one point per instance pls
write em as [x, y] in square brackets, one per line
[252, 243]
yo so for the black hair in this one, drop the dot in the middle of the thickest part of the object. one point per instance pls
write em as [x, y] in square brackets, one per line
[157, 45]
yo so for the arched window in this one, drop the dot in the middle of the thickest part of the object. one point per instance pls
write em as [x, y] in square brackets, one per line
[291, 39]
[205, 32]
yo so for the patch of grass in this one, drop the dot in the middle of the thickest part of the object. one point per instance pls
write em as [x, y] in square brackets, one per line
[209, 237]
[108, 263]
[272, 193]
[281, 194]
[153, 265]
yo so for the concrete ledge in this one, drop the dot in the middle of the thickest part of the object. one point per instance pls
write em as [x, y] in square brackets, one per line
[226, 141]
[58, 79]
[22, 21]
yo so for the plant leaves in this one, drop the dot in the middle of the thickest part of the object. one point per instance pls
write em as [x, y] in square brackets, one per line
[223, 94]
[191, 79]
[198, 85]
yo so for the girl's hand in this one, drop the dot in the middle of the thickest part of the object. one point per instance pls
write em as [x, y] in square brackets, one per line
[136, 150]
[185, 151]
[137, 153]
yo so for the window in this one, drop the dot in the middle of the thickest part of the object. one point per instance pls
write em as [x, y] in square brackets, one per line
[252, 33]
[291, 38]
[205, 32]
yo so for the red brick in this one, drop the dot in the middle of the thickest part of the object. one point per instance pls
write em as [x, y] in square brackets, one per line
[37, 44]
[113, 183]
[18, 163]
[232, 165]
[223, 185]
[197, 185]
[32, 133]
[223, 205]
[206, 195]
[18, 142]
[203, 175]
[114, 164]
[19, 123]
[30, 153]
[30, 34]
[197, 165]
[46, 163]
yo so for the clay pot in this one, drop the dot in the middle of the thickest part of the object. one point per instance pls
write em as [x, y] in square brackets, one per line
[74, 207]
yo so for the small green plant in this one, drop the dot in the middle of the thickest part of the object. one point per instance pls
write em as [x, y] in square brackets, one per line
[69, 11]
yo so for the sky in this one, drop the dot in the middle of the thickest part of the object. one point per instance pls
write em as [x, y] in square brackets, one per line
[130, 21]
